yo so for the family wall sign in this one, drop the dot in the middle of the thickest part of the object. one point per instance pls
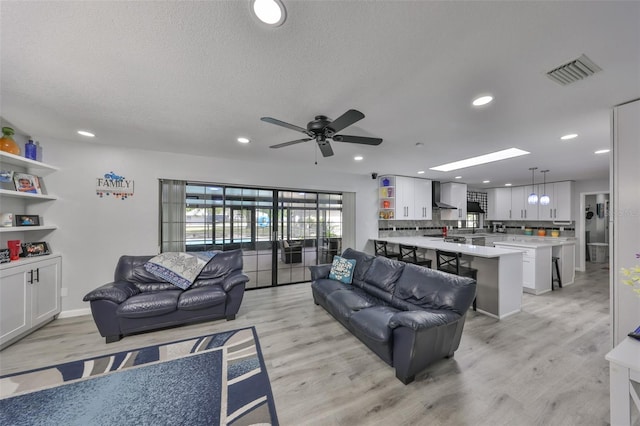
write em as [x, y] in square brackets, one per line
[115, 185]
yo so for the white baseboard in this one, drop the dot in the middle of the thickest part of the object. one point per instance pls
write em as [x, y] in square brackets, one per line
[74, 313]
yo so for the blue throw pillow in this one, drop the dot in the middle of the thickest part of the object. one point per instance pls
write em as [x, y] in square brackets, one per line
[342, 269]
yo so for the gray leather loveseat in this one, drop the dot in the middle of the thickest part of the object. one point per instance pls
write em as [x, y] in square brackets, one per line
[409, 315]
[139, 301]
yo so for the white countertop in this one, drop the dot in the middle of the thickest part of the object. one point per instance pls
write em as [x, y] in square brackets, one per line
[532, 243]
[435, 243]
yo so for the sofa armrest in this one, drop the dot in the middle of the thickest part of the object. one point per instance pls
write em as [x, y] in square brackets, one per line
[320, 271]
[234, 280]
[116, 292]
[417, 320]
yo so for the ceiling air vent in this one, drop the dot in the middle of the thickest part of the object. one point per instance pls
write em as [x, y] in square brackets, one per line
[574, 71]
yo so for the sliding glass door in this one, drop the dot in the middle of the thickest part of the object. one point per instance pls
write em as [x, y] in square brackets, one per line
[280, 232]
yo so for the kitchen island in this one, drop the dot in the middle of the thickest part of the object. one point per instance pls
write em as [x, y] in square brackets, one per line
[537, 261]
[499, 283]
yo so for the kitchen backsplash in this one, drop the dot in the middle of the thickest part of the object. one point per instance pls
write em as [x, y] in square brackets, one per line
[411, 228]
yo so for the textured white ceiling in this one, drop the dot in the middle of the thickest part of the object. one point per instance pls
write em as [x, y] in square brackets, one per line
[193, 76]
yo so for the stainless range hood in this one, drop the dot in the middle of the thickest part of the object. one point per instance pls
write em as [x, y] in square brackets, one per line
[435, 194]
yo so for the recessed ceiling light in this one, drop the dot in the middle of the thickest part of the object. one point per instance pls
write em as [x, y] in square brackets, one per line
[601, 151]
[482, 100]
[243, 140]
[482, 159]
[270, 12]
[569, 136]
[458, 177]
[85, 133]
[420, 172]
[507, 184]
[358, 157]
[486, 181]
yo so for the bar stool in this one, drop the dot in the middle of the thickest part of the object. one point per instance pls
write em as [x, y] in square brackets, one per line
[557, 268]
[448, 261]
[381, 250]
[409, 254]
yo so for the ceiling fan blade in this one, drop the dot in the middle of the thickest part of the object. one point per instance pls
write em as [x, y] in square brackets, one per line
[357, 139]
[325, 148]
[283, 124]
[345, 120]
[280, 145]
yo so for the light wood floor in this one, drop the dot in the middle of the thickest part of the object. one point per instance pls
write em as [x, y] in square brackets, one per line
[543, 366]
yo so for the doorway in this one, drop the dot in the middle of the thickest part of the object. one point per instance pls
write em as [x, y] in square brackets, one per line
[593, 229]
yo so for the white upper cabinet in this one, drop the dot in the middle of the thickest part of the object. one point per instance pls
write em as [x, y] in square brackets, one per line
[560, 205]
[499, 204]
[423, 207]
[454, 194]
[404, 198]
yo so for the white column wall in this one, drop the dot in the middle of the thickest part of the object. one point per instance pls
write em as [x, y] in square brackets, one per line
[625, 217]
[94, 232]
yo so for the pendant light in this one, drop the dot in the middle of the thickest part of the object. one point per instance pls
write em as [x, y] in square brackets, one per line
[533, 197]
[544, 198]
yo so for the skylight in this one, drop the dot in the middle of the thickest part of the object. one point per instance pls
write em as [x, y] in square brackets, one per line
[482, 159]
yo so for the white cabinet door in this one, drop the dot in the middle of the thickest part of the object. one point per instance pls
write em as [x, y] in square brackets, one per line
[29, 296]
[529, 272]
[560, 205]
[454, 194]
[531, 210]
[45, 299]
[518, 198]
[15, 303]
[499, 204]
[404, 198]
[422, 198]
[563, 201]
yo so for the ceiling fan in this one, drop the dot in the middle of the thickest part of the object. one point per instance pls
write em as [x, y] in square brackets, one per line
[322, 129]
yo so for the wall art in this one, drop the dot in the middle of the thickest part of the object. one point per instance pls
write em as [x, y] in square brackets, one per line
[114, 185]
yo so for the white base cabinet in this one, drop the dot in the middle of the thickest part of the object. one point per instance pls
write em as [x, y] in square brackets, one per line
[29, 296]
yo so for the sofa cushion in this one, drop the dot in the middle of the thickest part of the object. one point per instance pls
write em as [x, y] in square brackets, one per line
[342, 304]
[429, 288]
[149, 304]
[384, 272]
[363, 262]
[201, 298]
[222, 265]
[373, 322]
[324, 287]
[342, 269]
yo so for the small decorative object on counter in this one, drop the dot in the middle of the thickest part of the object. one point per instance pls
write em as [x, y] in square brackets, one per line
[4, 256]
[14, 249]
[444, 231]
[7, 144]
[542, 232]
[6, 220]
[528, 231]
[555, 233]
[30, 150]
[38, 151]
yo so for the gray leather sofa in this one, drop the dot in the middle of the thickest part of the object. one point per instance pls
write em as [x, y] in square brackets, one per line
[409, 315]
[139, 301]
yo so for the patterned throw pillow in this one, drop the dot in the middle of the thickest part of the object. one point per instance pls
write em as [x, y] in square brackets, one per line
[342, 269]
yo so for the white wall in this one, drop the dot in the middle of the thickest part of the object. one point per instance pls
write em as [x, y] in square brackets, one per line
[94, 232]
[625, 217]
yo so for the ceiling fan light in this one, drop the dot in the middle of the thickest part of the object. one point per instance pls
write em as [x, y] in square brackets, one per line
[545, 200]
